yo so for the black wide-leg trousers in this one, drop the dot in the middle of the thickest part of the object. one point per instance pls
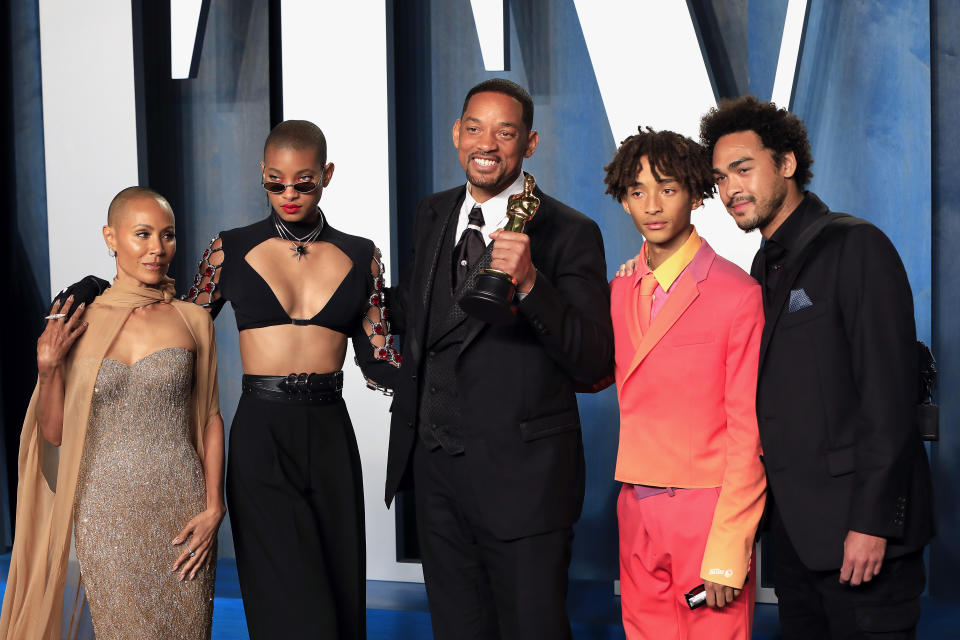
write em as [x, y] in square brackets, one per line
[295, 494]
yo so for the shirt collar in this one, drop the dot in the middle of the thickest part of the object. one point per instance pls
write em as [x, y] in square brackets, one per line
[494, 209]
[799, 219]
[668, 272]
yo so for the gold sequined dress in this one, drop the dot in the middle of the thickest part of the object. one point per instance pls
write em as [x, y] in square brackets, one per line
[140, 482]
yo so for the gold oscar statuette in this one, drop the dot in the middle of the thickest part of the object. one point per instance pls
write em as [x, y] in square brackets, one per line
[493, 297]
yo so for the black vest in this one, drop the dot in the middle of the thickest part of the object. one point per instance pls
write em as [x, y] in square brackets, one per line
[447, 325]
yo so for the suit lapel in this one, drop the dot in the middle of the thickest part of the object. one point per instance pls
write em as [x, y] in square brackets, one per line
[633, 318]
[456, 316]
[814, 209]
[474, 326]
[444, 210]
[758, 269]
[774, 311]
[686, 292]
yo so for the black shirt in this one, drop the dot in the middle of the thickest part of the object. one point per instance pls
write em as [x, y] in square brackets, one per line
[776, 250]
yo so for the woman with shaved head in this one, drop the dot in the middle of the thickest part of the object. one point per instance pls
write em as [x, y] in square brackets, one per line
[121, 453]
[299, 290]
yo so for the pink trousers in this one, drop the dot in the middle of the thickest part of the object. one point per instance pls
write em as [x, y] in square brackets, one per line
[662, 539]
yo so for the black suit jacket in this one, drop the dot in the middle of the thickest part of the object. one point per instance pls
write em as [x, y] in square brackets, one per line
[837, 394]
[515, 383]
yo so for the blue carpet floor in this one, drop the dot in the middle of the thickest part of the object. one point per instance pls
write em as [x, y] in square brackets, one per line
[398, 611]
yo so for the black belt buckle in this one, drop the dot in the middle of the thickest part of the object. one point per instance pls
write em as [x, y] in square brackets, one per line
[296, 385]
[308, 387]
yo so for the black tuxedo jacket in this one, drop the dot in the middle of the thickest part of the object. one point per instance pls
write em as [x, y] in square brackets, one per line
[515, 383]
[837, 394]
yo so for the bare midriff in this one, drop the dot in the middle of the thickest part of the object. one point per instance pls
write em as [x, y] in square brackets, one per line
[287, 348]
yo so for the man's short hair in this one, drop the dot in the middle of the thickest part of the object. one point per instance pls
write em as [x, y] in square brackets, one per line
[132, 193]
[299, 135]
[669, 154]
[506, 87]
[779, 130]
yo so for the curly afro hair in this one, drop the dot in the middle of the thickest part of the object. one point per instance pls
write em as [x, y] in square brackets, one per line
[779, 130]
[669, 154]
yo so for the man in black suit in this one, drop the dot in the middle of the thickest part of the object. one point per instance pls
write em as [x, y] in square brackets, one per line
[837, 389]
[485, 419]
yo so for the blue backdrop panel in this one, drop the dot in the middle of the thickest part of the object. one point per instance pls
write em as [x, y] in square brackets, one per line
[945, 46]
[26, 257]
[229, 96]
[765, 21]
[28, 182]
[722, 30]
[863, 88]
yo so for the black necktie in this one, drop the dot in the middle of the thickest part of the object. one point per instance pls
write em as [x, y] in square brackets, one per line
[469, 248]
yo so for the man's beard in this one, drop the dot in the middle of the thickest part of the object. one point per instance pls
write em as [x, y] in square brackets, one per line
[487, 181]
[764, 211]
[482, 181]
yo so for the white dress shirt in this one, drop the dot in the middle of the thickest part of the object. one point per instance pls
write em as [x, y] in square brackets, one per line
[494, 210]
[494, 214]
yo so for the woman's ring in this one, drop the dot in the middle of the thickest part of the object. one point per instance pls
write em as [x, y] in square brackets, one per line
[191, 551]
[55, 316]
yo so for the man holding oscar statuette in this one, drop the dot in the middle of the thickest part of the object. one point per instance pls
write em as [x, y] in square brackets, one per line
[485, 423]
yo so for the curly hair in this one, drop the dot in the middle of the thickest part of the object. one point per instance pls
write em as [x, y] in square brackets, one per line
[669, 154]
[779, 130]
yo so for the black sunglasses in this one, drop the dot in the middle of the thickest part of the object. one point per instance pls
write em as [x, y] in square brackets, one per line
[279, 187]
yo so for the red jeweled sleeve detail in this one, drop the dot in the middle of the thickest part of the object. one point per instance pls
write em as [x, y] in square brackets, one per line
[379, 325]
[206, 281]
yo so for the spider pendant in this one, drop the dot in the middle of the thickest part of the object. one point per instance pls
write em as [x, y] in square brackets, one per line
[299, 250]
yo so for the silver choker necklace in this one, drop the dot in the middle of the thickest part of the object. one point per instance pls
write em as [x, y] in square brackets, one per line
[298, 245]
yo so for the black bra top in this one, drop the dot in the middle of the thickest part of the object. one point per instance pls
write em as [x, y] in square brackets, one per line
[254, 303]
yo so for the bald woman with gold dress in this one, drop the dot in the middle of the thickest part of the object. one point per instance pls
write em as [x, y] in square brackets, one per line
[121, 454]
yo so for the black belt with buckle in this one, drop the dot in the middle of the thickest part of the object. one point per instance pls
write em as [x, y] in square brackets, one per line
[307, 388]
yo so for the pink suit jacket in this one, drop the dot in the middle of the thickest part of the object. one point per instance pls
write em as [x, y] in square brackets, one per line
[687, 392]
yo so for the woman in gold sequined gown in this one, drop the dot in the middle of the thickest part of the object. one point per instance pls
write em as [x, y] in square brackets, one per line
[140, 481]
[140, 472]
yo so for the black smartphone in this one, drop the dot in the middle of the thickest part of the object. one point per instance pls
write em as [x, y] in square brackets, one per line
[696, 597]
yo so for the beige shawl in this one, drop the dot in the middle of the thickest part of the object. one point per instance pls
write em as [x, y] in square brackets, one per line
[34, 606]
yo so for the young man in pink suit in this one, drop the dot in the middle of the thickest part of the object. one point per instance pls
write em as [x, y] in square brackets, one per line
[687, 327]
